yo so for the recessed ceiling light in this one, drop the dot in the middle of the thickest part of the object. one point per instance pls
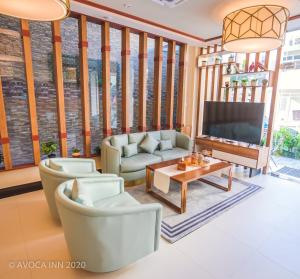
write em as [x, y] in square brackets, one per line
[127, 5]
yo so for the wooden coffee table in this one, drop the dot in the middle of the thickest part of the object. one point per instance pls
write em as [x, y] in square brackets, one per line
[184, 178]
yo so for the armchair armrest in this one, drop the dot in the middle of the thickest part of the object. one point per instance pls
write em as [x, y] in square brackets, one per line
[112, 160]
[184, 141]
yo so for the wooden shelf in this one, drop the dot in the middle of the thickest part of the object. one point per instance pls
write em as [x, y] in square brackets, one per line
[248, 86]
[218, 53]
[249, 73]
[226, 63]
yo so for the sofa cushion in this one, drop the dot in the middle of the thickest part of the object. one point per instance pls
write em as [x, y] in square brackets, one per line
[165, 145]
[172, 153]
[130, 150]
[138, 162]
[169, 135]
[121, 200]
[119, 141]
[149, 144]
[154, 134]
[136, 138]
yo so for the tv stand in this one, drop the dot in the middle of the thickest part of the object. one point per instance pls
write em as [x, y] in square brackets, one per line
[244, 154]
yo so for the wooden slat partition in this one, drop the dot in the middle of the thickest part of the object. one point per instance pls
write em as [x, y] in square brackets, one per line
[235, 94]
[157, 83]
[213, 77]
[4, 139]
[227, 94]
[84, 84]
[105, 49]
[220, 82]
[273, 101]
[244, 94]
[181, 86]
[170, 83]
[125, 53]
[199, 97]
[143, 37]
[264, 88]
[59, 85]
[30, 90]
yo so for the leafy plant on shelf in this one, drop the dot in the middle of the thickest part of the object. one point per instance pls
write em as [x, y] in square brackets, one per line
[49, 148]
[75, 150]
[245, 81]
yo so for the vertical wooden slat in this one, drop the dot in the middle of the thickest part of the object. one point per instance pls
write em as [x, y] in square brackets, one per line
[273, 103]
[143, 37]
[206, 83]
[220, 76]
[246, 70]
[105, 49]
[235, 94]
[4, 139]
[227, 94]
[157, 83]
[59, 85]
[125, 53]
[30, 90]
[181, 86]
[170, 83]
[84, 84]
[213, 77]
[199, 97]
[253, 92]
[264, 88]
[256, 61]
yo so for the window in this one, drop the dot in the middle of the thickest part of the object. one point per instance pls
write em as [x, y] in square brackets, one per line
[164, 85]
[176, 78]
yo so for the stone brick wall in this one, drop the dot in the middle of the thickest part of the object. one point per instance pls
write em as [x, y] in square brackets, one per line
[15, 88]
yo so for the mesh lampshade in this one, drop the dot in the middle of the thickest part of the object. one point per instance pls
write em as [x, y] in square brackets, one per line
[42, 10]
[255, 29]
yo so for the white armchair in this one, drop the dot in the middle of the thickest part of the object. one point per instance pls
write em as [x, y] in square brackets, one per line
[111, 232]
[55, 171]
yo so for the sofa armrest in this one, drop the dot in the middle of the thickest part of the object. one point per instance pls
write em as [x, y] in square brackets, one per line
[184, 141]
[111, 160]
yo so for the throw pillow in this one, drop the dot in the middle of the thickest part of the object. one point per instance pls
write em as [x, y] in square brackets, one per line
[80, 197]
[130, 150]
[119, 141]
[165, 145]
[149, 144]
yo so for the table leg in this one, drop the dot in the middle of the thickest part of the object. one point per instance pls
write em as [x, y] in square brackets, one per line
[229, 179]
[148, 180]
[183, 197]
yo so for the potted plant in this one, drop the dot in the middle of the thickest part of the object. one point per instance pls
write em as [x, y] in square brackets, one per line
[49, 148]
[244, 82]
[204, 63]
[231, 59]
[235, 83]
[218, 60]
[97, 150]
[253, 82]
[227, 84]
[265, 82]
[75, 152]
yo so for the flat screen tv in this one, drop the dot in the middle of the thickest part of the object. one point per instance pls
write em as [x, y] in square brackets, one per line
[234, 121]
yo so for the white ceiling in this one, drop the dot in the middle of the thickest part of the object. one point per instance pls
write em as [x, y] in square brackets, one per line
[201, 18]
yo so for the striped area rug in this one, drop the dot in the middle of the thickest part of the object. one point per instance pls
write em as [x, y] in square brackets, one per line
[204, 203]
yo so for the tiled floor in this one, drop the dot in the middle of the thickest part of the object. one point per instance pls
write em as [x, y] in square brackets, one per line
[257, 239]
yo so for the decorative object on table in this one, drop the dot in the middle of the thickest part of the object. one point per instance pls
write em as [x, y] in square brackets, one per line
[46, 10]
[194, 159]
[261, 67]
[253, 82]
[235, 83]
[181, 165]
[200, 158]
[265, 82]
[231, 59]
[188, 160]
[75, 152]
[255, 29]
[218, 60]
[244, 82]
[228, 69]
[49, 148]
[204, 63]
[227, 84]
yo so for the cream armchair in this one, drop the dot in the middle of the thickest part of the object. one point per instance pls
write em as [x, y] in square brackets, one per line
[57, 170]
[113, 230]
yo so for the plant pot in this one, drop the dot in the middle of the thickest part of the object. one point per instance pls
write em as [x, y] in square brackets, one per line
[245, 83]
[76, 155]
[253, 82]
[218, 61]
[203, 63]
[235, 83]
[265, 82]
[52, 155]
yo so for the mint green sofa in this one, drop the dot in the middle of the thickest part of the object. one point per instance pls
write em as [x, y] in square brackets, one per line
[61, 170]
[133, 168]
[114, 230]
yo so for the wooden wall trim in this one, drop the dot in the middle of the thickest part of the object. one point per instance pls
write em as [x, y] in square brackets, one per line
[273, 103]
[170, 83]
[213, 77]
[220, 76]
[244, 93]
[157, 83]
[143, 65]
[4, 133]
[84, 84]
[30, 90]
[105, 40]
[59, 85]
[181, 86]
[125, 53]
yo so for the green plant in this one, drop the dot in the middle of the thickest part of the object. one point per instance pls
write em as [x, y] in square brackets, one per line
[286, 139]
[48, 147]
[97, 150]
[75, 150]
[262, 142]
